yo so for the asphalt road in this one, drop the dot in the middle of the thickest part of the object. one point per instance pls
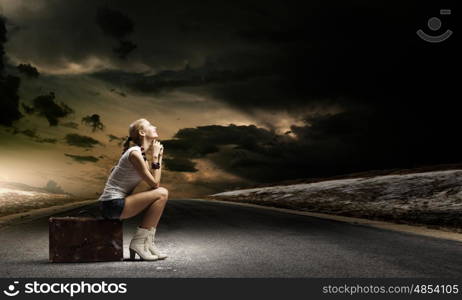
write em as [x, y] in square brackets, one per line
[209, 239]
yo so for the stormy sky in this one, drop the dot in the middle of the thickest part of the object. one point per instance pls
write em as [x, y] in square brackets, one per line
[242, 92]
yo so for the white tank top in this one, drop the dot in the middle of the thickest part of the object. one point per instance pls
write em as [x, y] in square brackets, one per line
[123, 179]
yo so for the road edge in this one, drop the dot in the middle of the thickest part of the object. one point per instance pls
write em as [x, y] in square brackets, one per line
[28, 216]
[418, 230]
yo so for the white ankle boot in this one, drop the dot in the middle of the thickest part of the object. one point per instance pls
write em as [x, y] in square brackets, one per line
[140, 245]
[152, 245]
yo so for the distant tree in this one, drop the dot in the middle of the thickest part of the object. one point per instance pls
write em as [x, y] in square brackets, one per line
[29, 70]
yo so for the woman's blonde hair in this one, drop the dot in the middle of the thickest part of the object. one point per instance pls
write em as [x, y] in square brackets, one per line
[134, 133]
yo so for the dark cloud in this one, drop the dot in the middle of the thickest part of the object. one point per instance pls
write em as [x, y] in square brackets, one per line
[119, 140]
[120, 93]
[27, 132]
[93, 121]
[3, 40]
[70, 124]
[118, 26]
[9, 103]
[32, 133]
[179, 164]
[168, 35]
[46, 140]
[46, 106]
[53, 187]
[9, 111]
[114, 23]
[124, 48]
[325, 146]
[9, 85]
[252, 148]
[82, 159]
[317, 57]
[113, 137]
[169, 80]
[27, 109]
[82, 141]
[28, 70]
[94, 93]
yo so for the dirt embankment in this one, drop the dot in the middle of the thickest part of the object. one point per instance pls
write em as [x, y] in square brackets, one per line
[432, 199]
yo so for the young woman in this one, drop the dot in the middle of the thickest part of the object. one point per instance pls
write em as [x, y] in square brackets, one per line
[117, 200]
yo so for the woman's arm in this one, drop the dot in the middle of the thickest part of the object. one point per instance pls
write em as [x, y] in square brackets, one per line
[157, 172]
[140, 165]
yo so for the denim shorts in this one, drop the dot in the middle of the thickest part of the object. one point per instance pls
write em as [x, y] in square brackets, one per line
[112, 209]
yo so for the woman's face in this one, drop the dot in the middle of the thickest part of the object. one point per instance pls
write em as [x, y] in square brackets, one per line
[150, 130]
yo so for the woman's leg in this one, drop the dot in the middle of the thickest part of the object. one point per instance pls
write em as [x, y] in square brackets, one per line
[153, 200]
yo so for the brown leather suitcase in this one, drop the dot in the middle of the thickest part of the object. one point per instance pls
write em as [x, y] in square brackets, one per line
[82, 239]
